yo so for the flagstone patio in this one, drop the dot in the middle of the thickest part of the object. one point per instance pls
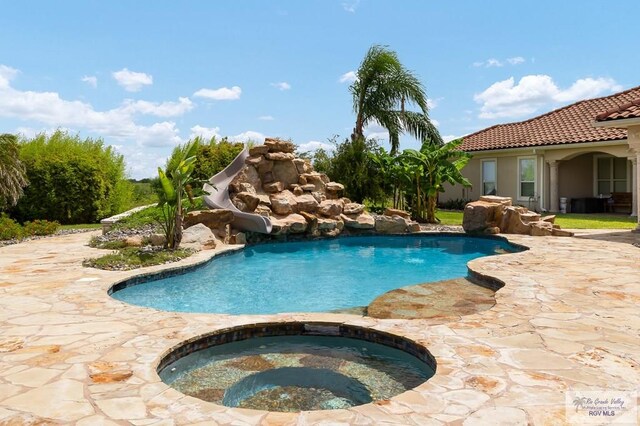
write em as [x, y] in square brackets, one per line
[568, 318]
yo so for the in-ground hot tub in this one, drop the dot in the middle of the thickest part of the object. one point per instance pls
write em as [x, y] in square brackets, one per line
[297, 366]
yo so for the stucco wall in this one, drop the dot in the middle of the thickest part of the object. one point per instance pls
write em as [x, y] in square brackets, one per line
[575, 177]
[507, 178]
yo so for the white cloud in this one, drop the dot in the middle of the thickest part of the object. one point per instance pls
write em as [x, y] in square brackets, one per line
[585, 88]
[351, 6]
[6, 75]
[91, 80]
[221, 94]
[434, 122]
[376, 131]
[266, 118]
[162, 109]
[493, 62]
[432, 103]
[205, 132]
[209, 132]
[449, 138]
[515, 60]
[283, 85]
[142, 163]
[249, 135]
[508, 99]
[132, 81]
[49, 109]
[314, 146]
[348, 77]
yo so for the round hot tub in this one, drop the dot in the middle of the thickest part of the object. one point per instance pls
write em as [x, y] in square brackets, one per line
[297, 366]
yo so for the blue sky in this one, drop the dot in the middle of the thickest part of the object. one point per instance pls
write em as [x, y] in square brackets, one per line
[146, 75]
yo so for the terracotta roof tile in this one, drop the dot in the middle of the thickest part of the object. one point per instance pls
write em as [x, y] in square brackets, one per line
[628, 110]
[570, 124]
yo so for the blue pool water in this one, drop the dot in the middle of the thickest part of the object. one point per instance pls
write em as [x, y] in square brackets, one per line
[313, 276]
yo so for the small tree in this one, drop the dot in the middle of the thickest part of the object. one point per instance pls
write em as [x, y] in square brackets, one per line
[13, 176]
[175, 181]
[432, 167]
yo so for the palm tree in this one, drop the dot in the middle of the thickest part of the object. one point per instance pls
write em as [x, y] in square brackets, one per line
[13, 175]
[382, 88]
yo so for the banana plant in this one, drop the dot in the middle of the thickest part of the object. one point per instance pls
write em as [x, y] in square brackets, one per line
[431, 167]
[175, 182]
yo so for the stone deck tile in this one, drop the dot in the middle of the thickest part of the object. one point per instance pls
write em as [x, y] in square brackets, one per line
[567, 318]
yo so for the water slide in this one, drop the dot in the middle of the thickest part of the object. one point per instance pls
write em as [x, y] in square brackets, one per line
[217, 197]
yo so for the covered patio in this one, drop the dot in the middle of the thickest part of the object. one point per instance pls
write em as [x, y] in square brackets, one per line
[627, 117]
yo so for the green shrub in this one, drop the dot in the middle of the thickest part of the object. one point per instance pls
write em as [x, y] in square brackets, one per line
[40, 227]
[213, 156]
[72, 180]
[136, 257]
[9, 228]
[352, 165]
[153, 215]
[457, 204]
[95, 242]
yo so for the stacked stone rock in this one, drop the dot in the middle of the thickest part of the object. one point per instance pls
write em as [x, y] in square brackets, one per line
[494, 215]
[297, 199]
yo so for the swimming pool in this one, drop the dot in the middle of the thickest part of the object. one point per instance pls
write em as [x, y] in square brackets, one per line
[312, 276]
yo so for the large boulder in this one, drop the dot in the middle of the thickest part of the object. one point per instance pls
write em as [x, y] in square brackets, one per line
[303, 166]
[248, 175]
[391, 224]
[290, 224]
[277, 145]
[359, 221]
[198, 237]
[396, 212]
[512, 221]
[352, 208]
[214, 219]
[284, 203]
[306, 203]
[480, 215]
[258, 150]
[274, 187]
[285, 172]
[250, 200]
[541, 228]
[330, 208]
[318, 180]
[279, 156]
[505, 201]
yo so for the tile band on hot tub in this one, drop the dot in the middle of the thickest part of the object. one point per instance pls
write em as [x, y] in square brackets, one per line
[296, 328]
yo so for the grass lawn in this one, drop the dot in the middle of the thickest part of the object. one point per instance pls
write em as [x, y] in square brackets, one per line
[566, 221]
[82, 226]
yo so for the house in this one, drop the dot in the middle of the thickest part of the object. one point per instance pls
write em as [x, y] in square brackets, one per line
[579, 156]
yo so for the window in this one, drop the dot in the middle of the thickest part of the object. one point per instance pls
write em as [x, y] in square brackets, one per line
[611, 175]
[526, 177]
[489, 177]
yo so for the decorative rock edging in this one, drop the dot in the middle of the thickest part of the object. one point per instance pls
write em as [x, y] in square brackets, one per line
[494, 215]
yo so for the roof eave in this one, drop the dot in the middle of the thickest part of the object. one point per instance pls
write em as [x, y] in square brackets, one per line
[551, 147]
[619, 123]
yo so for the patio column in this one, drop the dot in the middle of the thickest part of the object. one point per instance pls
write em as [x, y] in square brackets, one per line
[553, 186]
[636, 189]
[634, 186]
